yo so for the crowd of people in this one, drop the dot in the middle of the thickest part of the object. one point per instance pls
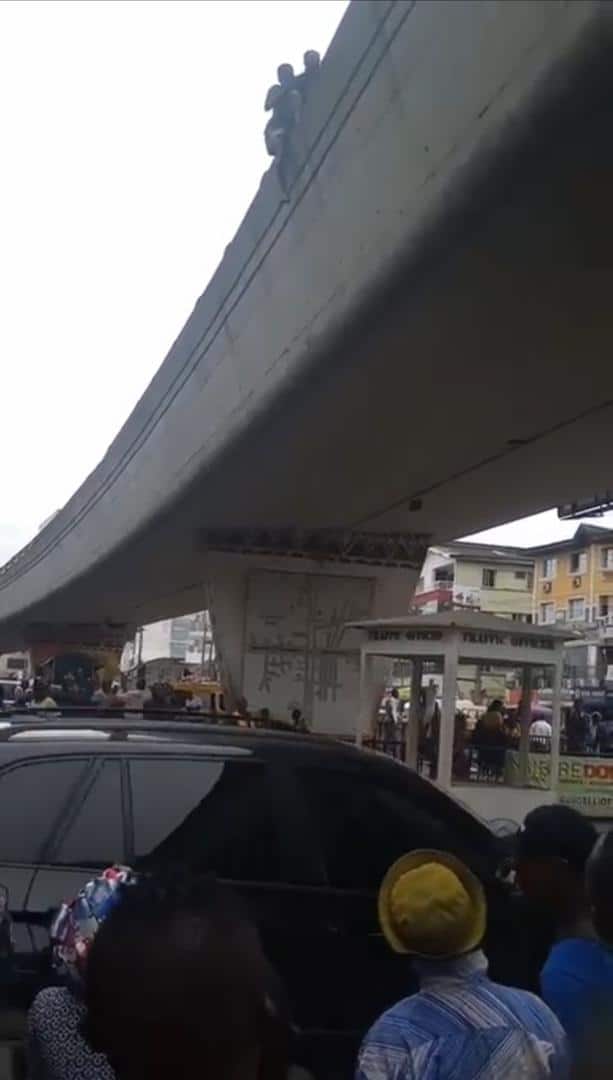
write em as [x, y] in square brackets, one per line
[480, 746]
[204, 1000]
[38, 693]
[285, 101]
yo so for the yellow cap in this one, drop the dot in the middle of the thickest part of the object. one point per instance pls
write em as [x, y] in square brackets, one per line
[432, 905]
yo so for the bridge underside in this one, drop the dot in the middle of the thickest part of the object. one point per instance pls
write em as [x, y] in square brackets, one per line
[474, 385]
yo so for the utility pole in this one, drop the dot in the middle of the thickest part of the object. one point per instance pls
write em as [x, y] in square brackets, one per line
[202, 653]
[139, 646]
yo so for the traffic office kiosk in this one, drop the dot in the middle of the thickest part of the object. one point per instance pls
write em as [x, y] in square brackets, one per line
[453, 642]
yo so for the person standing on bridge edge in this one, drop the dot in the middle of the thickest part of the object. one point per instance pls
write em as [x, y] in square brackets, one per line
[306, 80]
[285, 102]
[460, 1024]
[553, 848]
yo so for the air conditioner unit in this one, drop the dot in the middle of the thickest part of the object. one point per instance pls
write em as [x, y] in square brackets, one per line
[576, 582]
[546, 586]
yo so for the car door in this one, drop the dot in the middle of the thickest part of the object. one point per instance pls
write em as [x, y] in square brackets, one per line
[234, 817]
[363, 820]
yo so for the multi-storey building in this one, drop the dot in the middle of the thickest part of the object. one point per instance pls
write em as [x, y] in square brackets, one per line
[573, 584]
[573, 579]
[484, 577]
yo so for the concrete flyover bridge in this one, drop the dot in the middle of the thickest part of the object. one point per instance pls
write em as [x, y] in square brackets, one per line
[414, 343]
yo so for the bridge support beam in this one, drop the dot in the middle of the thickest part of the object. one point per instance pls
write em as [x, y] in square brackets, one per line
[279, 619]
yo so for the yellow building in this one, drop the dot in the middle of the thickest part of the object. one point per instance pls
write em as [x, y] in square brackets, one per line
[573, 579]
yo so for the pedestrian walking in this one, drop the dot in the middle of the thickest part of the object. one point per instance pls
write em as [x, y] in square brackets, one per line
[553, 848]
[460, 1024]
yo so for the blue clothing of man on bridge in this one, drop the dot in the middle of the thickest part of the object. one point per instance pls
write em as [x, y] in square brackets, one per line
[460, 1025]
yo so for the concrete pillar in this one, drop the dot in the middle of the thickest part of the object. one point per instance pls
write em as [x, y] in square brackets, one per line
[556, 725]
[278, 624]
[445, 745]
[415, 713]
[525, 719]
[364, 714]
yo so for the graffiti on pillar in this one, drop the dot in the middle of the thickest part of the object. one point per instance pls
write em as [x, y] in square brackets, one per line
[298, 652]
[275, 664]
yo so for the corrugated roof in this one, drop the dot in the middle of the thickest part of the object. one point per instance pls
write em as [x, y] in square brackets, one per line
[465, 620]
[583, 537]
[463, 549]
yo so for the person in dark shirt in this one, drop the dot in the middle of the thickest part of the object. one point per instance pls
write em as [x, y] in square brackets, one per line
[577, 729]
[284, 100]
[554, 845]
[604, 734]
[306, 81]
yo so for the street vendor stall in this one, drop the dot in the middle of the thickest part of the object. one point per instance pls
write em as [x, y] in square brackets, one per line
[458, 640]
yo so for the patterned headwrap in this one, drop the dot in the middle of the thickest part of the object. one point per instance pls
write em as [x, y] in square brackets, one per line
[76, 923]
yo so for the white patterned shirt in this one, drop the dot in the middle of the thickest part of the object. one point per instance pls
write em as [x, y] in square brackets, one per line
[463, 1026]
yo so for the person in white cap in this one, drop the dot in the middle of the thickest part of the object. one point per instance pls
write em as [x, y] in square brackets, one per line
[460, 1025]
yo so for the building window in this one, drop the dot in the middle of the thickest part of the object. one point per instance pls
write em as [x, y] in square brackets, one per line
[444, 575]
[578, 562]
[606, 558]
[605, 606]
[547, 613]
[488, 579]
[517, 616]
[520, 575]
[576, 609]
[549, 567]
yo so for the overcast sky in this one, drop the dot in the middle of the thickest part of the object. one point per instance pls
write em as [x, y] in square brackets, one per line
[131, 148]
[132, 145]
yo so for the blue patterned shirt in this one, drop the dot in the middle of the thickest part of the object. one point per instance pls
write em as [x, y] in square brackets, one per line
[461, 1026]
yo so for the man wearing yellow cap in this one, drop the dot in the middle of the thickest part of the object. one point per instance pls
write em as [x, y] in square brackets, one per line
[461, 1025]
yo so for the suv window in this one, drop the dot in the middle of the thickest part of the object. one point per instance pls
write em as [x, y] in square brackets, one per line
[94, 833]
[212, 815]
[362, 826]
[32, 797]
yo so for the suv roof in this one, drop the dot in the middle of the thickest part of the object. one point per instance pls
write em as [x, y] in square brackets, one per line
[92, 730]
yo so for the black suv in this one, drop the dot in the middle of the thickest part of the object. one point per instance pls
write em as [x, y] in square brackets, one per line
[303, 827]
